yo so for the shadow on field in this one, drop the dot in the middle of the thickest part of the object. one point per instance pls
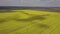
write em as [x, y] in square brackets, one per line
[45, 26]
[2, 20]
[38, 17]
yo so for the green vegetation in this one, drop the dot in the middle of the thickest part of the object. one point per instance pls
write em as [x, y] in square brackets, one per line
[29, 22]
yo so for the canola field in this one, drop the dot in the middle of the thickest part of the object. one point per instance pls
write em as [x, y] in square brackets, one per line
[29, 22]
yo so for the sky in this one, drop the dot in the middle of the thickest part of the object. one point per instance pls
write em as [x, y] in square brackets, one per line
[31, 3]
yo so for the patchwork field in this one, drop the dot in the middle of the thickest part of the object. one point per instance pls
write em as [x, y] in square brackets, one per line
[29, 22]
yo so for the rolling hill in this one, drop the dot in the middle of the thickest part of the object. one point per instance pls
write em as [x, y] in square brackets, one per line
[29, 22]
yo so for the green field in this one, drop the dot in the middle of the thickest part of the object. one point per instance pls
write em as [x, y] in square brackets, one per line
[29, 22]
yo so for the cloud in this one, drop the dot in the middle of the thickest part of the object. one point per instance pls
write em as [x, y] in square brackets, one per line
[40, 3]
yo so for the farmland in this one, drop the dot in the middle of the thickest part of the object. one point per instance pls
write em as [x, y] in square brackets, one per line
[29, 22]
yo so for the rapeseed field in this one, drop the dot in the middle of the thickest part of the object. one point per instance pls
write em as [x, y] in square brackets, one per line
[29, 22]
